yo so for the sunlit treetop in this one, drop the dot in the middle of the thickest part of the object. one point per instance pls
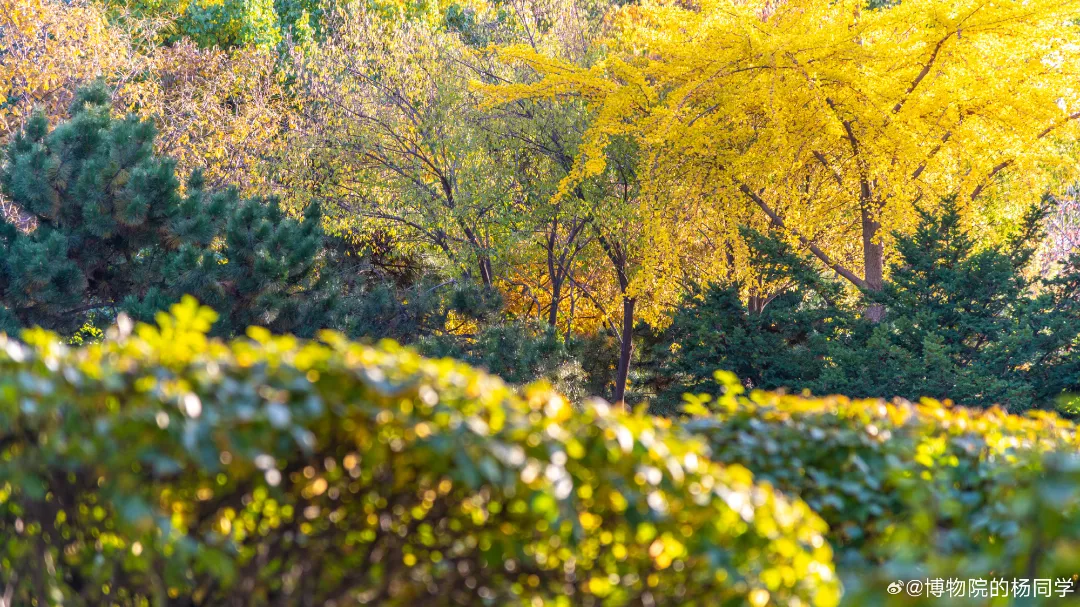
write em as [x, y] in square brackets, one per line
[831, 121]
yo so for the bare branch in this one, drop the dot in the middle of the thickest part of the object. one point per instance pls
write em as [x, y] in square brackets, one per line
[816, 250]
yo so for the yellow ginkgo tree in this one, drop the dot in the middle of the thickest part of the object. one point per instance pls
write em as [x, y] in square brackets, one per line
[828, 122]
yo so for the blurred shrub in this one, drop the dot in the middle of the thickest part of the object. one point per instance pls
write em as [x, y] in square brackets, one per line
[1038, 547]
[912, 490]
[165, 467]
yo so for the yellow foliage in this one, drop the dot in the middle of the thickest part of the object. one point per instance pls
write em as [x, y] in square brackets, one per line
[828, 120]
[222, 112]
[48, 48]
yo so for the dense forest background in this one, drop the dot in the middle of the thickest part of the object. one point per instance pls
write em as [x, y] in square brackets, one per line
[617, 198]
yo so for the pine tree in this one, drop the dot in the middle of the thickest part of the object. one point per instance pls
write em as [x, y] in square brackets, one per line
[964, 323]
[777, 342]
[969, 324]
[116, 233]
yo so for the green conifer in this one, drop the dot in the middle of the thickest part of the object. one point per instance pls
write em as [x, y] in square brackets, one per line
[115, 233]
[962, 323]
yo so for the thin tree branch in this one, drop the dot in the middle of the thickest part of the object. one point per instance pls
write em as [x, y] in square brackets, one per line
[816, 250]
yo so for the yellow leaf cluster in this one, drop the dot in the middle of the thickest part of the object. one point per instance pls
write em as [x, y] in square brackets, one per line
[224, 112]
[829, 121]
[47, 49]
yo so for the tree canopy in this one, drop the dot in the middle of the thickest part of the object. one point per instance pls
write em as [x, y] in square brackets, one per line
[830, 122]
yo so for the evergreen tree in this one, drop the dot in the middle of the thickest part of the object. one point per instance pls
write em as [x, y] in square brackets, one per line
[962, 323]
[115, 233]
[777, 343]
[966, 324]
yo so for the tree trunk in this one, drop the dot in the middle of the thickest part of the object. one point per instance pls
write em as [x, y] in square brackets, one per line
[756, 304]
[556, 276]
[873, 262]
[482, 258]
[617, 254]
[485, 269]
[625, 350]
[556, 295]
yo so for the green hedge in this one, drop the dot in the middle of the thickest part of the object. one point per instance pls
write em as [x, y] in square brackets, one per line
[912, 490]
[163, 467]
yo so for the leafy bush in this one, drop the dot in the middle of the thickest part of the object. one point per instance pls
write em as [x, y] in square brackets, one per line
[1040, 540]
[926, 489]
[228, 23]
[165, 466]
